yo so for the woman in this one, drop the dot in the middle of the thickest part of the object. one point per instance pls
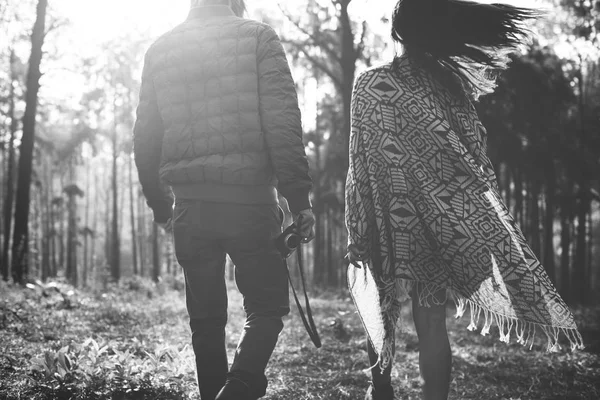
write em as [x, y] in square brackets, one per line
[423, 209]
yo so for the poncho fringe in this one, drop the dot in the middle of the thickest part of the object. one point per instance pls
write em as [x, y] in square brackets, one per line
[525, 332]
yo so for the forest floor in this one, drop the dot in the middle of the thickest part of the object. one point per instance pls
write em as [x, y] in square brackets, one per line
[131, 342]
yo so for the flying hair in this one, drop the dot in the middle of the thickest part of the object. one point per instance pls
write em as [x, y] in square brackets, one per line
[465, 39]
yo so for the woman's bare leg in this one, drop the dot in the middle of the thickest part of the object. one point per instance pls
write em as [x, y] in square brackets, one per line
[435, 357]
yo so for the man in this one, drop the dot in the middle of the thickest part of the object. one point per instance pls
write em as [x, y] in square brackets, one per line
[218, 122]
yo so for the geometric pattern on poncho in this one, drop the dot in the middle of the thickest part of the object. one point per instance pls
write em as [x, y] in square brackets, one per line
[422, 194]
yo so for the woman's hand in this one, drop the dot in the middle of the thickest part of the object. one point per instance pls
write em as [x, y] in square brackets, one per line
[355, 255]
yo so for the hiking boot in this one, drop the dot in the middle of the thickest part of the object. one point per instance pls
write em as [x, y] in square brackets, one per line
[382, 393]
[235, 389]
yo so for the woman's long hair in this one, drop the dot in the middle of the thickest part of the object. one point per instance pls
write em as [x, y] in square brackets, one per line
[461, 39]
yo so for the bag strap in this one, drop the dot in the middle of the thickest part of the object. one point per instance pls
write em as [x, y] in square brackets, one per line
[307, 319]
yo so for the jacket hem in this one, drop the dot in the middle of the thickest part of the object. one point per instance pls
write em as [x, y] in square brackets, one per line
[238, 194]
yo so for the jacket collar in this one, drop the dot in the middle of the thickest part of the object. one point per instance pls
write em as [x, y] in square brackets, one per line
[210, 12]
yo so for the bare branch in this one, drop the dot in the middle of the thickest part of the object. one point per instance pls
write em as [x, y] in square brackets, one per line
[313, 60]
[360, 48]
[320, 43]
[55, 25]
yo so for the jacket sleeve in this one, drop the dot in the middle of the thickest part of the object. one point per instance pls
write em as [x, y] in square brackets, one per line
[147, 147]
[360, 214]
[281, 122]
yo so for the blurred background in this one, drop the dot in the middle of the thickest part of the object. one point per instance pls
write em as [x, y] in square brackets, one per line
[70, 203]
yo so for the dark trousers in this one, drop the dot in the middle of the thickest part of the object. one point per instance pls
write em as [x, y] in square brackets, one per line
[204, 233]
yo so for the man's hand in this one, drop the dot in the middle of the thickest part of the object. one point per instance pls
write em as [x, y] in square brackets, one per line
[168, 226]
[307, 227]
[355, 255]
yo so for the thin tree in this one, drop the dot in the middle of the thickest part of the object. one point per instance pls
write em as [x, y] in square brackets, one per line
[21, 232]
[132, 202]
[10, 179]
[72, 191]
[115, 259]
[155, 254]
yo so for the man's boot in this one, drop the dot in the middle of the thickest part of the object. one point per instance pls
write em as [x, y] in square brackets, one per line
[235, 389]
[208, 339]
[381, 393]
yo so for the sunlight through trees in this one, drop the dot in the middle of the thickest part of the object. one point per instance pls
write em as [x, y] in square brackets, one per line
[71, 203]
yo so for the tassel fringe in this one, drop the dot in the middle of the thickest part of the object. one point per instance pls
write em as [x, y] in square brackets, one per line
[524, 332]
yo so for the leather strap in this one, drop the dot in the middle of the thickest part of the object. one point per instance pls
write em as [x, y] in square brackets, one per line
[307, 318]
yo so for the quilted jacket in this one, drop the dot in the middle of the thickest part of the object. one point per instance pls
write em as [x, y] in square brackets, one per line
[218, 117]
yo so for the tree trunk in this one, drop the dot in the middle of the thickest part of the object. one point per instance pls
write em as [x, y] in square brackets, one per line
[10, 184]
[330, 244]
[548, 256]
[518, 213]
[21, 232]
[95, 213]
[534, 217]
[47, 236]
[580, 262]
[115, 262]
[155, 254]
[348, 64]
[565, 244]
[590, 257]
[332, 267]
[53, 250]
[506, 183]
[72, 240]
[72, 273]
[107, 225]
[142, 236]
[132, 215]
[86, 222]
[318, 210]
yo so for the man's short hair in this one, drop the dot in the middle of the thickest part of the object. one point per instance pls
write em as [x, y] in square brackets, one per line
[238, 6]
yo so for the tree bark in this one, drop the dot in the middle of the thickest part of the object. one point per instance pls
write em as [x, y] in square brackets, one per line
[46, 222]
[62, 217]
[534, 217]
[548, 256]
[115, 260]
[155, 254]
[350, 55]
[142, 236]
[565, 244]
[132, 220]
[519, 198]
[86, 223]
[590, 257]
[10, 176]
[506, 183]
[21, 232]
[318, 207]
[96, 212]
[580, 260]
[71, 192]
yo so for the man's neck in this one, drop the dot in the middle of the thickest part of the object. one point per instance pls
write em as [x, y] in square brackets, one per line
[212, 11]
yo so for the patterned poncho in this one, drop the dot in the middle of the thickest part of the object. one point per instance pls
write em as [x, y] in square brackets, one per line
[422, 199]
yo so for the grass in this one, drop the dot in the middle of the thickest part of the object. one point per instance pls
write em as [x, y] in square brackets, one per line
[132, 342]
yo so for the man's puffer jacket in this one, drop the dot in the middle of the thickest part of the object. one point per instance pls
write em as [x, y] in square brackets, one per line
[218, 117]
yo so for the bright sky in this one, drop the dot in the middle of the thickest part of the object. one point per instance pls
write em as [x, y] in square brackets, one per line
[96, 21]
